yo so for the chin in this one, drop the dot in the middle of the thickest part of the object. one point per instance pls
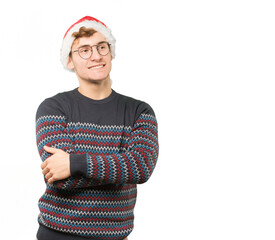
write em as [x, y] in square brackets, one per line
[94, 78]
[98, 80]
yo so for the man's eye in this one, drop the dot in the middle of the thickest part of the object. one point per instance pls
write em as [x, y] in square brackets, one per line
[84, 50]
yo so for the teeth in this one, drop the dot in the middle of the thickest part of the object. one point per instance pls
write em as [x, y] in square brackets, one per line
[98, 66]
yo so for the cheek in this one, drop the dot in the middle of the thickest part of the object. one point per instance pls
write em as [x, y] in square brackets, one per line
[110, 64]
[80, 70]
[80, 66]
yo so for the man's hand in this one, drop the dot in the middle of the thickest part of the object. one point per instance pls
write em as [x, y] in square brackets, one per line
[57, 166]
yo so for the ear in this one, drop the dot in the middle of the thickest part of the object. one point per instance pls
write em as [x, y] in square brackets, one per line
[70, 64]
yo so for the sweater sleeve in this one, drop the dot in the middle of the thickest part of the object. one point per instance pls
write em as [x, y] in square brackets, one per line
[51, 130]
[134, 166]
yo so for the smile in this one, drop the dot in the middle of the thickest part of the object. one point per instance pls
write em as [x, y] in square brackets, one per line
[97, 66]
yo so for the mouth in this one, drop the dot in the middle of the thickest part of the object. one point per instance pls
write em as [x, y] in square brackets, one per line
[98, 66]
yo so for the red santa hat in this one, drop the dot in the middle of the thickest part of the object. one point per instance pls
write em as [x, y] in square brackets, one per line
[88, 22]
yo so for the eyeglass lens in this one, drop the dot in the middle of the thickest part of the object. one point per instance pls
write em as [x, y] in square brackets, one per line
[87, 51]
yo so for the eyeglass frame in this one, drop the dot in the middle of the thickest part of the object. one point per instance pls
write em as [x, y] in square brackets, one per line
[91, 46]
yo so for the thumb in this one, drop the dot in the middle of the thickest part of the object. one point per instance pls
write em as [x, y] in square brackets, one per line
[50, 149]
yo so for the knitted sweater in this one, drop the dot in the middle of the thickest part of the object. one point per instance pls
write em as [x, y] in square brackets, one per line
[113, 145]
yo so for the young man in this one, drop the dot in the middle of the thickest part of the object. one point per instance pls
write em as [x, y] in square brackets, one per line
[95, 144]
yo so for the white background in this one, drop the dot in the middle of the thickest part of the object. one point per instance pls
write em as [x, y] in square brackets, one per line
[206, 68]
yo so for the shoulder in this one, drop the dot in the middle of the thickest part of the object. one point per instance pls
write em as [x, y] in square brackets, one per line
[138, 106]
[55, 105]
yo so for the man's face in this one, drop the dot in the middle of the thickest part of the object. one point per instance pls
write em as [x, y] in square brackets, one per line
[94, 69]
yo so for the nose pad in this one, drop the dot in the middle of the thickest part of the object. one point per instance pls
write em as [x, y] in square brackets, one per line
[95, 54]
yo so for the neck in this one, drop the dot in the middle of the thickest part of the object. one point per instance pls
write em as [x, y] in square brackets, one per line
[95, 90]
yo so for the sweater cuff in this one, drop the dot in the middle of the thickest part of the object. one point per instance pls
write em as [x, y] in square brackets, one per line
[78, 164]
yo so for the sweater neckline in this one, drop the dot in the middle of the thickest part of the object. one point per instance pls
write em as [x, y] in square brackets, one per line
[90, 100]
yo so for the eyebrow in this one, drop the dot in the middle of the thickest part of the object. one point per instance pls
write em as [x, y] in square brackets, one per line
[87, 45]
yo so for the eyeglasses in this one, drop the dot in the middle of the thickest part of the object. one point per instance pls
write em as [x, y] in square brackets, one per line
[86, 51]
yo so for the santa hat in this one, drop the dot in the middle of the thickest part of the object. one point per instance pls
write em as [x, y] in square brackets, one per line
[88, 22]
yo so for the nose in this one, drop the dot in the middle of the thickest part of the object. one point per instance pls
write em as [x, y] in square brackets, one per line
[95, 54]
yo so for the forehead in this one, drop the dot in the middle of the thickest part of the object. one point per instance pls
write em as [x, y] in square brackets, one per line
[92, 40]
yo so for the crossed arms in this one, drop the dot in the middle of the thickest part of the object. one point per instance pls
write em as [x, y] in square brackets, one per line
[64, 168]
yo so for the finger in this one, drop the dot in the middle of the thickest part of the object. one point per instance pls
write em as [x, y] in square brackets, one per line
[51, 180]
[45, 171]
[50, 149]
[43, 165]
[48, 175]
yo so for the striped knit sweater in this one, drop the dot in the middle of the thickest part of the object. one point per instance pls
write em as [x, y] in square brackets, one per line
[113, 145]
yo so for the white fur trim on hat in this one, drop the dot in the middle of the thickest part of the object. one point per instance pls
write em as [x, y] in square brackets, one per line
[68, 39]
